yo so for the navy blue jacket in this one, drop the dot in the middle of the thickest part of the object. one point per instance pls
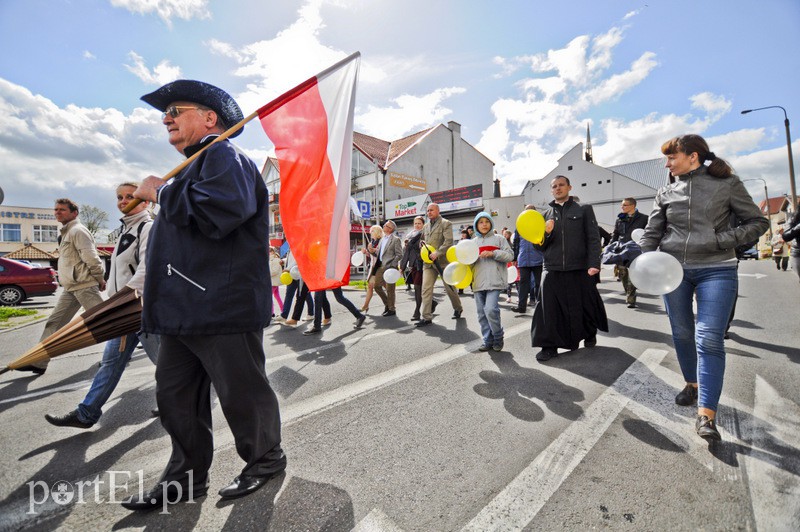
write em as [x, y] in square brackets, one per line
[574, 243]
[207, 259]
[525, 253]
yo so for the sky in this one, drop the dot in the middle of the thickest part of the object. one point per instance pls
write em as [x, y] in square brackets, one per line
[524, 78]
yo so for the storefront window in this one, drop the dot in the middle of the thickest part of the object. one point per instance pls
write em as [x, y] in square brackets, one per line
[10, 233]
[45, 233]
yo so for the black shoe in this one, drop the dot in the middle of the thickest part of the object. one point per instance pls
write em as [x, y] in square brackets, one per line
[590, 342]
[359, 321]
[434, 304]
[484, 347]
[424, 323]
[33, 369]
[415, 317]
[546, 354]
[518, 310]
[498, 346]
[687, 396]
[385, 311]
[707, 429]
[389, 313]
[155, 498]
[245, 485]
[68, 420]
[631, 305]
[313, 330]
[155, 412]
[457, 314]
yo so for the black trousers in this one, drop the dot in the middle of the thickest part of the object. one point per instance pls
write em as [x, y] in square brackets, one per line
[234, 364]
[321, 301]
[529, 277]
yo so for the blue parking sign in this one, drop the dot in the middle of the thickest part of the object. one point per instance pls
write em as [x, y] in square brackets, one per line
[365, 208]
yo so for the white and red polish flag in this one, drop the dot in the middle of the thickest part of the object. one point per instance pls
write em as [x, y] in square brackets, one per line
[311, 127]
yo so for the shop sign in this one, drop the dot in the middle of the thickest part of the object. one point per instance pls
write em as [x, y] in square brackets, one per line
[407, 207]
[407, 181]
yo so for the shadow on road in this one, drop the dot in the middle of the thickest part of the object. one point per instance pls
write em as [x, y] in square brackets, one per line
[517, 386]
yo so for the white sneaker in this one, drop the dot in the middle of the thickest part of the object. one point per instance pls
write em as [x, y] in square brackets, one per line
[278, 319]
[308, 318]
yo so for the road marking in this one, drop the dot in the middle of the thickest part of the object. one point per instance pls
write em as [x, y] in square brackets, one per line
[756, 275]
[330, 345]
[774, 483]
[519, 502]
[376, 521]
[325, 401]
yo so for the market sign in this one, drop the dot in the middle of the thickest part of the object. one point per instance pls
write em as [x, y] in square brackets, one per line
[407, 207]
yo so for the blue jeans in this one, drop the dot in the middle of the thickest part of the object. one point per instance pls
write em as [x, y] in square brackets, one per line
[107, 377]
[699, 342]
[489, 316]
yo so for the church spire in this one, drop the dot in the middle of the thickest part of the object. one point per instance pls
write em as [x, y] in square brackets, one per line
[588, 153]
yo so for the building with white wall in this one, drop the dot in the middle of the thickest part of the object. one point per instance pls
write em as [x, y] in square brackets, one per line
[601, 187]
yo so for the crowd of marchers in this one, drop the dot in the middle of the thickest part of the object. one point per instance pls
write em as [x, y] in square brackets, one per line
[208, 248]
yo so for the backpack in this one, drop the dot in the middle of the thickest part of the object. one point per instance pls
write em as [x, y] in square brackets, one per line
[127, 241]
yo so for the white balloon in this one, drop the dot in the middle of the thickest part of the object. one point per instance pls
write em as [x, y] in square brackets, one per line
[294, 271]
[512, 274]
[391, 275]
[467, 251]
[357, 259]
[656, 272]
[454, 273]
[637, 234]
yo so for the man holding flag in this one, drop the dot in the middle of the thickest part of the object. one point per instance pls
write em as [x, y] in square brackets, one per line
[208, 295]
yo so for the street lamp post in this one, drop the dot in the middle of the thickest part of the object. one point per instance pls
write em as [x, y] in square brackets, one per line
[788, 147]
[766, 196]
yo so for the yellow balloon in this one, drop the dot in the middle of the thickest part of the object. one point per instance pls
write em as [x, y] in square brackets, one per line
[530, 225]
[425, 252]
[466, 281]
[451, 254]
[286, 278]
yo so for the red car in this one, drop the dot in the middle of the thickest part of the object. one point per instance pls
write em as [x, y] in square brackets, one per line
[19, 281]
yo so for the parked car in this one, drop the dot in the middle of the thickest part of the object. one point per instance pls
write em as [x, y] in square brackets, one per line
[751, 253]
[20, 281]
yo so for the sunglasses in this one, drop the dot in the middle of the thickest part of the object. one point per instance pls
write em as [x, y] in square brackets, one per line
[174, 110]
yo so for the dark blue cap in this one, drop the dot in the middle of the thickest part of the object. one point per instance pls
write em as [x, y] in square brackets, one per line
[205, 94]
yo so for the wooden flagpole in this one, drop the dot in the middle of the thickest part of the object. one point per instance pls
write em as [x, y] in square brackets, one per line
[130, 206]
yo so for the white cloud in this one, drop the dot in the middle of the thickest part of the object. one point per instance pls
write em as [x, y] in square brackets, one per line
[711, 103]
[48, 152]
[411, 113]
[770, 165]
[161, 74]
[167, 9]
[270, 71]
[88, 55]
[549, 116]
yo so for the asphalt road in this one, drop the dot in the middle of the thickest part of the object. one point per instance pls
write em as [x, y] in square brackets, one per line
[396, 428]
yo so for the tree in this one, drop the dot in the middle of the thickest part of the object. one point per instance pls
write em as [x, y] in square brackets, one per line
[93, 218]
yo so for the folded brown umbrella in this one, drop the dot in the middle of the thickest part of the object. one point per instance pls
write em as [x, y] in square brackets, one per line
[119, 315]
